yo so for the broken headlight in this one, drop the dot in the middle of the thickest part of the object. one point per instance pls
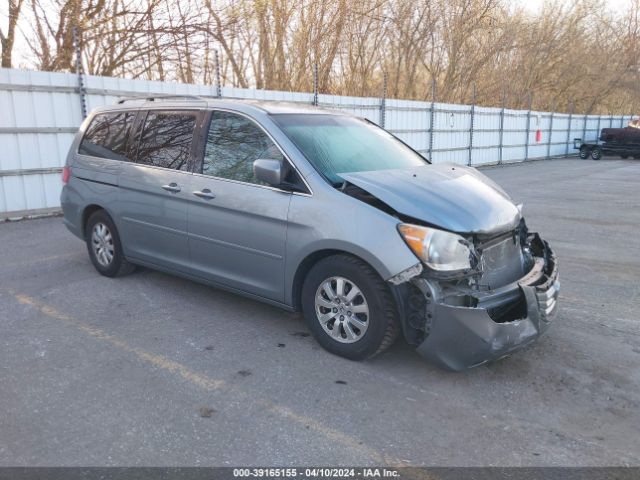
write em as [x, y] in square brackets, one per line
[439, 250]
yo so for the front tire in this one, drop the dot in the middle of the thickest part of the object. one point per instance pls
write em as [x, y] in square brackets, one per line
[349, 308]
[103, 244]
[596, 153]
[584, 152]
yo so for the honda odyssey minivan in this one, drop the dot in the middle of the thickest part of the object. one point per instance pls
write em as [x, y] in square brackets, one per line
[317, 211]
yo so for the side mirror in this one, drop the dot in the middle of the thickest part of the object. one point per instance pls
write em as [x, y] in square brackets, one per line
[268, 171]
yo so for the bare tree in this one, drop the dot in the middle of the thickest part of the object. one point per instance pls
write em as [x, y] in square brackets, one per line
[576, 50]
[7, 40]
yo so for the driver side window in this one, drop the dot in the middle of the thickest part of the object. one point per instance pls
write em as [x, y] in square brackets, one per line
[233, 143]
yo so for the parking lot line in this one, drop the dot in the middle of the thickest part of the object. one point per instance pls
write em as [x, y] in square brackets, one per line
[206, 383]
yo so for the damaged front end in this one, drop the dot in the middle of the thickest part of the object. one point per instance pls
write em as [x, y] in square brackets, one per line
[473, 297]
[504, 303]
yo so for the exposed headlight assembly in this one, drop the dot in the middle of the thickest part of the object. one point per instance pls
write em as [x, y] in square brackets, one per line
[439, 250]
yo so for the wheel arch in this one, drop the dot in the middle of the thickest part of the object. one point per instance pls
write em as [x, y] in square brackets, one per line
[87, 212]
[312, 259]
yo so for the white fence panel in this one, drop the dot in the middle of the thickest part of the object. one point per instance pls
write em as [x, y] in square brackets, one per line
[451, 124]
[486, 136]
[41, 111]
[365, 107]
[37, 124]
[409, 121]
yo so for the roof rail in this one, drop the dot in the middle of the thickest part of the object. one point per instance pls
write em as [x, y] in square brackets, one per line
[160, 98]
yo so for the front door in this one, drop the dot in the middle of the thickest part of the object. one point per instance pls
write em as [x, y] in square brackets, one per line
[154, 189]
[238, 226]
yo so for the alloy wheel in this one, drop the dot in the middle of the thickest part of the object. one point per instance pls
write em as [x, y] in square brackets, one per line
[102, 243]
[342, 309]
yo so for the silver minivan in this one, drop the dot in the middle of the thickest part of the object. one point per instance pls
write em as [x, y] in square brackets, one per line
[312, 210]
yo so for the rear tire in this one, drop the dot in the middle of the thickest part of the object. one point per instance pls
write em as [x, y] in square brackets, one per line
[596, 153]
[103, 244]
[337, 319]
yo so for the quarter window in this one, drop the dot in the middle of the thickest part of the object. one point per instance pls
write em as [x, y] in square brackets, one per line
[166, 139]
[233, 143]
[106, 136]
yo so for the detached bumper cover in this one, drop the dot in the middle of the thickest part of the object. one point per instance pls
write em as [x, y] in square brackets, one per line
[464, 337]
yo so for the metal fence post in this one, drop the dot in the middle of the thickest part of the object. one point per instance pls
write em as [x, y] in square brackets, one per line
[526, 143]
[473, 115]
[584, 128]
[621, 121]
[432, 116]
[553, 107]
[383, 101]
[611, 121]
[566, 152]
[218, 81]
[598, 129]
[501, 132]
[315, 84]
[81, 89]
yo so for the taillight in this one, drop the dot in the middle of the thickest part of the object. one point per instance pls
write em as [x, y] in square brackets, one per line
[66, 174]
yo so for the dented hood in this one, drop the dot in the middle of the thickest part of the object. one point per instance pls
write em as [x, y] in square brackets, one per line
[452, 197]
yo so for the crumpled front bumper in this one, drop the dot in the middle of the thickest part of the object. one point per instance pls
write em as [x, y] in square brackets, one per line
[464, 337]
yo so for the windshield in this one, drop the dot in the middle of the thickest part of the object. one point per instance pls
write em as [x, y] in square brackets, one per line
[335, 144]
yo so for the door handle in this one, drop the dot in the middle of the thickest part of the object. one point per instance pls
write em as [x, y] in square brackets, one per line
[172, 187]
[205, 193]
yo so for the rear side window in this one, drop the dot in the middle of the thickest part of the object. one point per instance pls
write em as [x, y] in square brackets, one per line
[166, 139]
[233, 143]
[106, 136]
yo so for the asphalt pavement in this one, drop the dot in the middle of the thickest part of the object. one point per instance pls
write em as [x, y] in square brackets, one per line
[154, 370]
